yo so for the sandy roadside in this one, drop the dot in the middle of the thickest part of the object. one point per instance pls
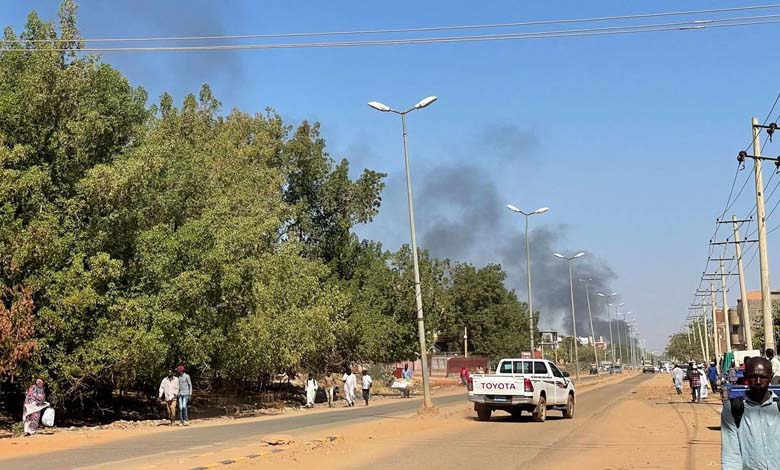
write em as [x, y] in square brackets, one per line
[349, 444]
[64, 439]
[653, 428]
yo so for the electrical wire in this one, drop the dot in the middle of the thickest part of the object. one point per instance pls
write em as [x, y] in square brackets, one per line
[616, 30]
[730, 203]
[428, 28]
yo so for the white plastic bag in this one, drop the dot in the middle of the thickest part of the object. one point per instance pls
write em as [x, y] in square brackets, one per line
[48, 417]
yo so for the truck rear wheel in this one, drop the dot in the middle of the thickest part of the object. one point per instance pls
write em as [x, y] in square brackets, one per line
[540, 413]
[483, 413]
[568, 413]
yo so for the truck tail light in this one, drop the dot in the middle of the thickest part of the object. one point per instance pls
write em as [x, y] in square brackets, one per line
[470, 384]
[528, 386]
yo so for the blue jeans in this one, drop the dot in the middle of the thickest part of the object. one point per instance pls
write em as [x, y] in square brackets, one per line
[183, 400]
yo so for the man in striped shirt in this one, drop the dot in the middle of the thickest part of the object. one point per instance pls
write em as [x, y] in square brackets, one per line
[694, 377]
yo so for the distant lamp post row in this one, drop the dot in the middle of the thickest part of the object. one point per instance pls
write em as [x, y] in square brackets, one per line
[528, 266]
[427, 401]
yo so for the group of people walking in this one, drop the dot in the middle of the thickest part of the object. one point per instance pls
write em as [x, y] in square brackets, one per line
[328, 383]
[176, 391]
[699, 389]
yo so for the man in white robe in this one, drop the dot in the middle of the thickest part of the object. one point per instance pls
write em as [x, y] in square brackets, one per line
[350, 383]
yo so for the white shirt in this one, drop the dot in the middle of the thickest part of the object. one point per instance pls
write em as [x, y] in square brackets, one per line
[169, 388]
[349, 381]
[775, 366]
[367, 382]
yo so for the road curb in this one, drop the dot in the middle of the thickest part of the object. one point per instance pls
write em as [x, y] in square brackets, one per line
[270, 451]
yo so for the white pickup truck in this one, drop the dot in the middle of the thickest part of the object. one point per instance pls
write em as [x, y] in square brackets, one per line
[533, 385]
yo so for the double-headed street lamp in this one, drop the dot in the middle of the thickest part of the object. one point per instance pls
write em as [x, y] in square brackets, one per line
[609, 318]
[573, 318]
[617, 323]
[427, 402]
[528, 267]
[592, 331]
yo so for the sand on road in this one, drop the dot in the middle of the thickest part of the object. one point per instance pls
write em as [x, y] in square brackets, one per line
[649, 426]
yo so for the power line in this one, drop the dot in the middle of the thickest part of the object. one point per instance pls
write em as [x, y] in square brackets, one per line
[730, 203]
[617, 30]
[429, 28]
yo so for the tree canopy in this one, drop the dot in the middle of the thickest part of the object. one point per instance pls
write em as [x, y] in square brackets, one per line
[136, 235]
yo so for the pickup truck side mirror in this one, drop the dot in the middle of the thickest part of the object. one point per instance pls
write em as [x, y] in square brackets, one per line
[566, 374]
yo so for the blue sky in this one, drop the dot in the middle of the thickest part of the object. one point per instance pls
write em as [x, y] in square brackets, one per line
[630, 140]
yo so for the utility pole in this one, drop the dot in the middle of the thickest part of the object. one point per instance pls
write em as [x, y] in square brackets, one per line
[746, 326]
[726, 324]
[705, 347]
[703, 295]
[766, 299]
[620, 349]
[701, 338]
[715, 334]
[466, 341]
[697, 325]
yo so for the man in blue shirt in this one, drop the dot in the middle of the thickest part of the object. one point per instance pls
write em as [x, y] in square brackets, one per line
[754, 440]
[185, 391]
[712, 376]
[406, 374]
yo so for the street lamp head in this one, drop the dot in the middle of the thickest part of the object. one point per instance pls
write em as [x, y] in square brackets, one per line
[425, 102]
[580, 254]
[558, 255]
[586, 280]
[541, 210]
[379, 106]
[513, 208]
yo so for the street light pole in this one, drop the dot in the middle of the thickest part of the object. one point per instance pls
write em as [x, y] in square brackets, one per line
[427, 401]
[573, 317]
[592, 331]
[528, 267]
[609, 318]
[617, 325]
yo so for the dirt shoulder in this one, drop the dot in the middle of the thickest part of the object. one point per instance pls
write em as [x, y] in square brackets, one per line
[652, 428]
[58, 439]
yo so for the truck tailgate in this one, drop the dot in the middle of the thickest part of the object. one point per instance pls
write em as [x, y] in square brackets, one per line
[494, 384]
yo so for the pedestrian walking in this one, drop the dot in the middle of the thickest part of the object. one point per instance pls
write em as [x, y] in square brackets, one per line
[350, 383]
[168, 393]
[750, 426]
[463, 375]
[367, 382]
[775, 361]
[712, 377]
[694, 379]
[677, 378]
[328, 383]
[406, 374]
[185, 392]
[311, 391]
[34, 403]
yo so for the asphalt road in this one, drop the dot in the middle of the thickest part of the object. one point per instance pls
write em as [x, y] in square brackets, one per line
[503, 442]
[185, 441]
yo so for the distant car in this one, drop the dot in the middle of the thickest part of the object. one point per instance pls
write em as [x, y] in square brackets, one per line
[617, 369]
[593, 369]
[649, 368]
